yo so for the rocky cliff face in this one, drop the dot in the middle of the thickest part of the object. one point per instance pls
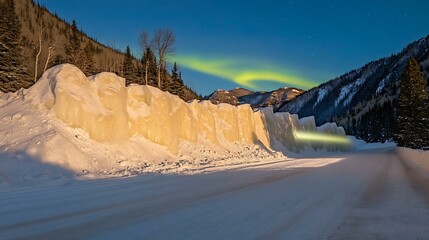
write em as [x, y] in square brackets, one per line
[237, 96]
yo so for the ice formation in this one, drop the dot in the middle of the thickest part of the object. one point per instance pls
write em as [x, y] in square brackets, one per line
[109, 111]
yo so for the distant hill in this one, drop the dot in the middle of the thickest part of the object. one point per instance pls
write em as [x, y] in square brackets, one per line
[276, 98]
[34, 19]
[363, 101]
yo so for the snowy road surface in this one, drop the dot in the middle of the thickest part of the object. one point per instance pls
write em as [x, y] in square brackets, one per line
[371, 195]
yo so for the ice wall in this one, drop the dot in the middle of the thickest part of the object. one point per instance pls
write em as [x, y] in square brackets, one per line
[109, 111]
[96, 104]
[165, 119]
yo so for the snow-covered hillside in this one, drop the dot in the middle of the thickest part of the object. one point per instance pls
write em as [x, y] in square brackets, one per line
[354, 99]
[68, 124]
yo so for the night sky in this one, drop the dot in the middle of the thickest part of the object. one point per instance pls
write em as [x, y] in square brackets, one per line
[260, 45]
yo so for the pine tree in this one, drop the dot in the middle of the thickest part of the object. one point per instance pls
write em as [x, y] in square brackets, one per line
[127, 67]
[411, 123]
[148, 62]
[88, 63]
[165, 80]
[175, 85]
[73, 51]
[13, 75]
[181, 91]
[139, 75]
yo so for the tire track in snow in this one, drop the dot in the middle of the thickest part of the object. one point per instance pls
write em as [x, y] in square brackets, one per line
[395, 205]
[367, 196]
[126, 213]
[419, 180]
[318, 214]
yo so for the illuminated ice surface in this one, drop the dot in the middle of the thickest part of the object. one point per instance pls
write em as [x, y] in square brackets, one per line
[109, 111]
[69, 125]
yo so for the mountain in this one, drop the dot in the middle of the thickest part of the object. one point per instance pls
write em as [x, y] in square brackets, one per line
[34, 26]
[363, 101]
[276, 98]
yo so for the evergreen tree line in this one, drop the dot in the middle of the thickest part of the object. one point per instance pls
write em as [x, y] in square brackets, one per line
[144, 72]
[412, 121]
[404, 119]
[13, 74]
[83, 58]
[16, 69]
[376, 125]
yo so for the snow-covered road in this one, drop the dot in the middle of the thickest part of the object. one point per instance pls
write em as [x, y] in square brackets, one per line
[369, 195]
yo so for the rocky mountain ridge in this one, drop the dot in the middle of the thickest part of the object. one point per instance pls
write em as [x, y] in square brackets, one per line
[276, 98]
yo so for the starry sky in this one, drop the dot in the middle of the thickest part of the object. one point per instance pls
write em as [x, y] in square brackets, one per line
[261, 45]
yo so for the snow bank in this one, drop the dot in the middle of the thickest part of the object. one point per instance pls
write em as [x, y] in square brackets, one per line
[109, 111]
[418, 158]
[361, 146]
[69, 125]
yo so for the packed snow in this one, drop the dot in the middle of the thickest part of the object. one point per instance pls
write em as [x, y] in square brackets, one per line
[360, 195]
[418, 158]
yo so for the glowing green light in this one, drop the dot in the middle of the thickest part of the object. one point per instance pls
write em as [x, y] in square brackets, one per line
[246, 76]
[320, 137]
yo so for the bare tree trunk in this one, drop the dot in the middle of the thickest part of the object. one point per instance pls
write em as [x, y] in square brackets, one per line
[163, 43]
[114, 68]
[159, 75]
[51, 53]
[146, 70]
[37, 56]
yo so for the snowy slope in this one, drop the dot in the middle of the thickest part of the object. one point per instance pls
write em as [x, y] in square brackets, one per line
[356, 95]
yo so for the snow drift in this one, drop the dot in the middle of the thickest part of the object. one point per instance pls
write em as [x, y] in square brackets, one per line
[109, 111]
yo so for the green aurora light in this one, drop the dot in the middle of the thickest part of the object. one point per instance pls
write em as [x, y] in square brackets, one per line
[246, 76]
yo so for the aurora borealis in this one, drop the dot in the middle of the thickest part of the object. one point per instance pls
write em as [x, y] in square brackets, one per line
[245, 75]
[257, 44]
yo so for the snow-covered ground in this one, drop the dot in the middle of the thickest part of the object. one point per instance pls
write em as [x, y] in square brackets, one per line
[418, 158]
[243, 182]
[237, 191]
[366, 195]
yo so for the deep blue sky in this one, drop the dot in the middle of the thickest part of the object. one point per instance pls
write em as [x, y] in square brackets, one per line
[300, 41]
